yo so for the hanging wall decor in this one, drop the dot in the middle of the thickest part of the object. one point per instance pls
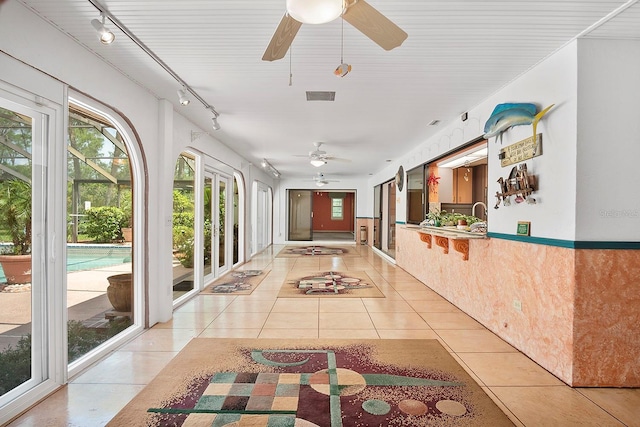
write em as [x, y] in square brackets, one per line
[505, 116]
[519, 183]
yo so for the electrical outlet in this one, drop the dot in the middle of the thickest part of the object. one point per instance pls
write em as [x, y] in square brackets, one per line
[517, 304]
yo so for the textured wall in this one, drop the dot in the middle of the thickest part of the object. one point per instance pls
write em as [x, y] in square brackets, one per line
[607, 318]
[580, 308]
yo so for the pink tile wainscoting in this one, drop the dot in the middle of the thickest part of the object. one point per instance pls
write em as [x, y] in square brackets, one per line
[574, 312]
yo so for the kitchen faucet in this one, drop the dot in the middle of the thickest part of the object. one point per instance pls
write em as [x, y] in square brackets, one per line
[473, 209]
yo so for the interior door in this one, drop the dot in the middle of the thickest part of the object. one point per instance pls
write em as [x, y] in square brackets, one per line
[300, 215]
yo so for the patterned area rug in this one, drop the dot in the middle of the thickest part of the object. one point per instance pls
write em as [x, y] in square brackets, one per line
[239, 282]
[307, 383]
[326, 284]
[317, 250]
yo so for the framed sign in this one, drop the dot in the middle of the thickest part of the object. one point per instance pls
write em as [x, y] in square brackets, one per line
[524, 228]
[521, 151]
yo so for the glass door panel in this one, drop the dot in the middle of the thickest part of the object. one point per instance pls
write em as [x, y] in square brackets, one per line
[300, 215]
[183, 251]
[216, 211]
[22, 291]
[209, 214]
[99, 247]
[222, 211]
[377, 215]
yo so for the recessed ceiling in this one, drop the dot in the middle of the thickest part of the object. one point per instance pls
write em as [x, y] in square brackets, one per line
[457, 54]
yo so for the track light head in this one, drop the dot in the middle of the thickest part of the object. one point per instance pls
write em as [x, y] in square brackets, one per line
[182, 96]
[104, 34]
[215, 124]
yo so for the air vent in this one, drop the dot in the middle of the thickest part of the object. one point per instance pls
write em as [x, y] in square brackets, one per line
[320, 96]
[434, 122]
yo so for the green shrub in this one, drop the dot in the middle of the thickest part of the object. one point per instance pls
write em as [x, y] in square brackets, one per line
[15, 363]
[183, 242]
[104, 224]
[82, 339]
[183, 219]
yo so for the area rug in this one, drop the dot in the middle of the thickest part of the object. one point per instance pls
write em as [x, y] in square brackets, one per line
[327, 284]
[239, 282]
[317, 250]
[306, 383]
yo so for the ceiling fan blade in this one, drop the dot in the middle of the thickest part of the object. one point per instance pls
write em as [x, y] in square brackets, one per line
[337, 159]
[374, 25]
[282, 38]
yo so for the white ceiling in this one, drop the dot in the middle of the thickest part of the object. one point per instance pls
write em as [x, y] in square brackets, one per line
[457, 54]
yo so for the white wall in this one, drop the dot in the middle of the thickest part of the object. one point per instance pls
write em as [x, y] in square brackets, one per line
[551, 81]
[608, 140]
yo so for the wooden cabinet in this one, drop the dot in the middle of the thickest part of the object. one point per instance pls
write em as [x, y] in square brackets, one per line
[463, 185]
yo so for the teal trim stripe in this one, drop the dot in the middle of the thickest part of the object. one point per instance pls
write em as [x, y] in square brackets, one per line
[570, 244]
[400, 222]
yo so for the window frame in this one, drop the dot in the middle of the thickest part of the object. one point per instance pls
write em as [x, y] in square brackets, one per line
[341, 207]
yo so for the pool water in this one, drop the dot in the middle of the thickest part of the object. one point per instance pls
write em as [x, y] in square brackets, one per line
[82, 257]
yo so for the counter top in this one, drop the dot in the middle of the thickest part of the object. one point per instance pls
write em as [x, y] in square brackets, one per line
[451, 233]
[442, 235]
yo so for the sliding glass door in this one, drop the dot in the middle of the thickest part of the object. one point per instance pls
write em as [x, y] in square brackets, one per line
[25, 316]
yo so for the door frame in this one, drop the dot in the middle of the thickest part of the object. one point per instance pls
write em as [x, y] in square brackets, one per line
[48, 335]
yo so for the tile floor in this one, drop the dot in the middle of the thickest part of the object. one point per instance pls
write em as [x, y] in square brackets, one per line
[528, 394]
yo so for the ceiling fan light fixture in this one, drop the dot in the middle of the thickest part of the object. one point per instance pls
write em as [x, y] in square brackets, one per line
[105, 35]
[318, 162]
[321, 183]
[314, 11]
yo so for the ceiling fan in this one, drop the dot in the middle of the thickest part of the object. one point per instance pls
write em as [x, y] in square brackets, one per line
[321, 181]
[320, 157]
[358, 13]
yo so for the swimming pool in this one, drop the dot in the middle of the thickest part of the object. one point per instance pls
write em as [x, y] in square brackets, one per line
[82, 257]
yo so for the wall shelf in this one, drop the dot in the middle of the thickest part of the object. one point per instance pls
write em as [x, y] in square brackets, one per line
[460, 239]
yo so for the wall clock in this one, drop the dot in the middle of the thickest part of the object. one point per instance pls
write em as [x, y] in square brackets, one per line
[400, 178]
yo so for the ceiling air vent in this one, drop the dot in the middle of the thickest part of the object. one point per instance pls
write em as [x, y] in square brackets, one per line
[434, 122]
[320, 96]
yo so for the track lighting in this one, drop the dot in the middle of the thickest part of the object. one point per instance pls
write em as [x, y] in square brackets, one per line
[182, 96]
[214, 121]
[105, 35]
[318, 162]
[269, 167]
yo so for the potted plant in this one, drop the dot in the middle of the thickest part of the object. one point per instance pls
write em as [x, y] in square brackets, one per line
[435, 217]
[15, 219]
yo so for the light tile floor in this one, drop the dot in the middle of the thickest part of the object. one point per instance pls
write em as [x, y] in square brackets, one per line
[529, 395]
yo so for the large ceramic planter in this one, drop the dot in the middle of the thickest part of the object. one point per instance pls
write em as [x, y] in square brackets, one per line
[119, 292]
[127, 234]
[17, 268]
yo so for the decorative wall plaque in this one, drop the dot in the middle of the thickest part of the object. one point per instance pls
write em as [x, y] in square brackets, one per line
[521, 151]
